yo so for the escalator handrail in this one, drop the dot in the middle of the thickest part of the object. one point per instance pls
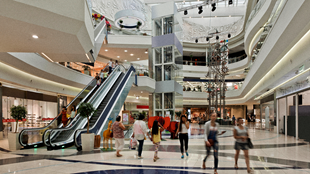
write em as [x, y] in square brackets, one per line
[45, 127]
[77, 117]
[127, 76]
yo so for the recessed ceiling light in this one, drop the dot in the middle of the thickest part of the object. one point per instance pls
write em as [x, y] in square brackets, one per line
[190, 17]
[141, 91]
[125, 60]
[238, 75]
[138, 58]
[117, 56]
[229, 15]
[105, 50]
[215, 16]
[131, 54]
[146, 52]
[125, 50]
[35, 36]
[137, 97]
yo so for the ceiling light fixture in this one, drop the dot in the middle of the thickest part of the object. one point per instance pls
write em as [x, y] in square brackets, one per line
[141, 91]
[87, 57]
[207, 39]
[125, 51]
[229, 35]
[185, 12]
[106, 50]
[125, 60]
[117, 56]
[146, 52]
[131, 54]
[200, 10]
[35, 36]
[217, 37]
[47, 57]
[137, 97]
[138, 58]
[230, 2]
[196, 40]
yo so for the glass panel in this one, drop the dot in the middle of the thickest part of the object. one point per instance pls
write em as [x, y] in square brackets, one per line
[158, 101]
[158, 25]
[158, 113]
[168, 100]
[168, 54]
[168, 25]
[158, 73]
[168, 72]
[158, 55]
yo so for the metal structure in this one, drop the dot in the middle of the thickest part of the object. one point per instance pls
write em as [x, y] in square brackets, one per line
[217, 59]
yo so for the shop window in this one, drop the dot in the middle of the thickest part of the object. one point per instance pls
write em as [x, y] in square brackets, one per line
[168, 72]
[158, 101]
[168, 54]
[158, 55]
[158, 27]
[168, 100]
[168, 25]
[158, 72]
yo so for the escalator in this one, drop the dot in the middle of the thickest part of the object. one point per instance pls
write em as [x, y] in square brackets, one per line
[64, 137]
[32, 137]
[112, 105]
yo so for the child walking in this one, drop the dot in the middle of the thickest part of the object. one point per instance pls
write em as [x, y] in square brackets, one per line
[155, 133]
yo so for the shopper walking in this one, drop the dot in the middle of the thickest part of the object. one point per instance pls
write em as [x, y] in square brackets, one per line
[211, 133]
[118, 134]
[155, 131]
[183, 134]
[234, 120]
[241, 135]
[139, 132]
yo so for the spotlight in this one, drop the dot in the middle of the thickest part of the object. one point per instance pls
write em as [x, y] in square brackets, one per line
[207, 39]
[200, 10]
[196, 40]
[185, 12]
[217, 37]
[229, 35]
[230, 2]
[213, 7]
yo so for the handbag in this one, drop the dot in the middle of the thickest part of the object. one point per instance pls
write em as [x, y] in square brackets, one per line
[250, 144]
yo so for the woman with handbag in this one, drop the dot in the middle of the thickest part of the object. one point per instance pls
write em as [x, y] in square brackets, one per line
[211, 133]
[242, 143]
[118, 134]
[139, 131]
[183, 136]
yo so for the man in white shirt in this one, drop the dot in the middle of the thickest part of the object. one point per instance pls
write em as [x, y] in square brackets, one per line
[139, 131]
[110, 66]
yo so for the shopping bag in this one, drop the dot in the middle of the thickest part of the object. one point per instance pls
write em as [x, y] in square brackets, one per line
[133, 144]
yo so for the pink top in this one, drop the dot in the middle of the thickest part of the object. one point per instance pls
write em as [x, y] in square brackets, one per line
[117, 130]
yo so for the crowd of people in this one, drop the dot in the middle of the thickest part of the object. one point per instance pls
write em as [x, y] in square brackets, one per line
[140, 133]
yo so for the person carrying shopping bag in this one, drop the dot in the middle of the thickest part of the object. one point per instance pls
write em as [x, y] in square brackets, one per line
[139, 132]
[211, 133]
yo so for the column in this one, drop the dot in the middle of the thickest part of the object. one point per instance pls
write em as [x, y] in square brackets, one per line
[1, 114]
[296, 114]
[278, 115]
[261, 115]
[286, 108]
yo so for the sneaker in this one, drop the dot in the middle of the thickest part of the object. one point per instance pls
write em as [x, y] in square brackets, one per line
[186, 153]
[182, 156]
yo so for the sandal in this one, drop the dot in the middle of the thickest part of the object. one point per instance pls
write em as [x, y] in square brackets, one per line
[119, 155]
[154, 159]
[236, 167]
[157, 158]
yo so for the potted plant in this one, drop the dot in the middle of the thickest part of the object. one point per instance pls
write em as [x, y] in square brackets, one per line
[86, 110]
[122, 26]
[86, 70]
[17, 113]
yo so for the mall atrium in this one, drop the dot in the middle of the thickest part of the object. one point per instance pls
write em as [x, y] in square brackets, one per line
[123, 86]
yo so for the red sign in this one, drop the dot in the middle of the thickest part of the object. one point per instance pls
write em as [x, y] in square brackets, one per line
[44, 119]
[142, 107]
[11, 120]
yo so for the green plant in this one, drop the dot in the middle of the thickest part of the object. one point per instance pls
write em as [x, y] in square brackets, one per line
[139, 23]
[18, 113]
[121, 21]
[178, 113]
[122, 26]
[85, 110]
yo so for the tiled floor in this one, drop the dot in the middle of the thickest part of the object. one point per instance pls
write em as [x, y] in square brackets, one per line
[272, 153]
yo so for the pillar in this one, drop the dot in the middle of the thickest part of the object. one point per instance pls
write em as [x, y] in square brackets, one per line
[296, 114]
[286, 108]
[1, 114]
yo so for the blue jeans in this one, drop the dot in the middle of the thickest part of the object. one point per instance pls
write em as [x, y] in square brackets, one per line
[215, 153]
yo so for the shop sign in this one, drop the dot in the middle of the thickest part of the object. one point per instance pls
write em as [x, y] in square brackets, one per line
[11, 120]
[44, 119]
[142, 107]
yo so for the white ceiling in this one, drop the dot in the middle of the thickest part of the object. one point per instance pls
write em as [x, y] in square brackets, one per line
[113, 53]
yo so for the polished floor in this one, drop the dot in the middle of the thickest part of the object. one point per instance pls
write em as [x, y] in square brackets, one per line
[272, 153]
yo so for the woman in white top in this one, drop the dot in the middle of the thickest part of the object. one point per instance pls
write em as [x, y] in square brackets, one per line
[183, 136]
[73, 113]
[139, 131]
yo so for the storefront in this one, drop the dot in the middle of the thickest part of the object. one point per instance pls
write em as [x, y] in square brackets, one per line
[41, 108]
